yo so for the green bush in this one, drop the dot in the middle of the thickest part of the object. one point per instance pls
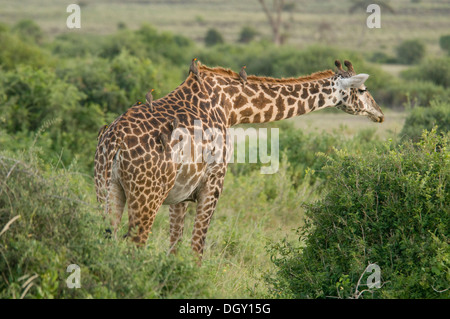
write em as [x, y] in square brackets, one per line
[425, 118]
[435, 70]
[444, 43]
[73, 45]
[410, 52]
[16, 51]
[148, 43]
[39, 109]
[213, 37]
[381, 57]
[29, 31]
[247, 34]
[388, 207]
[59, 225]
[117, 83]
[413, 93]
[301, 151]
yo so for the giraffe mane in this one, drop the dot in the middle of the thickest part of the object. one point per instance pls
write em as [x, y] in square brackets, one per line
[263, 79]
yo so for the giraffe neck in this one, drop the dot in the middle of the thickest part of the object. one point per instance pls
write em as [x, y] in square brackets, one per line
[266, 99]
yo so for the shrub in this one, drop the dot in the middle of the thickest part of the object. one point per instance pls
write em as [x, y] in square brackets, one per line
[387, 206]
[16, 51]
[59, 225]
[247, 34]
[301, 151]
[425, 118]
[117, 83]
[148, 43]
[444, 43]
[381, 57]
[213, 37]
[413, 93]
[435, 70]
[29, 31]
[76, 45]
[410, 51]
[42, 110]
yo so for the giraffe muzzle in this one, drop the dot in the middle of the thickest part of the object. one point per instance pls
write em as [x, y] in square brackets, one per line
[378, 118]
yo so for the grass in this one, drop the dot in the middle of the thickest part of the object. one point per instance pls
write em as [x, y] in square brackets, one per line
[311, 22]
[331, 120]
[236, 258]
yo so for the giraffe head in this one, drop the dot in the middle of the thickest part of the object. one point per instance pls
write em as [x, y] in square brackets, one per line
[354, 98]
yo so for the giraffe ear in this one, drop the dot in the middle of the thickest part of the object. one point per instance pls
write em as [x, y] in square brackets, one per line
[354, 81]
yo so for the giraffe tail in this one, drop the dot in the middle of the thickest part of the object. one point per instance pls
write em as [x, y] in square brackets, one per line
[108, 186]
[105, 157]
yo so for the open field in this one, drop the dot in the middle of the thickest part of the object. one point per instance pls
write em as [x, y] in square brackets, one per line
[329, 122]
[324, 22]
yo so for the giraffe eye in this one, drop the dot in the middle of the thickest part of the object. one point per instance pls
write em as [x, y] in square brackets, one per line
[362, 90]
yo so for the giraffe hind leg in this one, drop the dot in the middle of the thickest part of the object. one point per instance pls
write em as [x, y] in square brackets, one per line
[142, 211]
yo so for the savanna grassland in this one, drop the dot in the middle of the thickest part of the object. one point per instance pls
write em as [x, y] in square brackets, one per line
[348, 192]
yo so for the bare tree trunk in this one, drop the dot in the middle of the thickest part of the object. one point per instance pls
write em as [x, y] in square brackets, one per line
[274, 18]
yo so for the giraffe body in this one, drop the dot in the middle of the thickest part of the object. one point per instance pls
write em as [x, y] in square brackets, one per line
[133, 167]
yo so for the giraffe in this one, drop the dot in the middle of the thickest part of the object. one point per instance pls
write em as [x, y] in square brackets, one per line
[133, 162]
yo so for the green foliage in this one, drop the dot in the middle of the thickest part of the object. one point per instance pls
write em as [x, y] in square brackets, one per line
[387, 206]
[58, 225]
[147, 42]
[413, 92]
[39, 109]
[29, 31]
[303, 151]
[425, 118]
[44, 101]
[16, 51]
[382, 57]
[174, 48]
[247, 34]
[213, 37]
[71, 45]
[444, 43]
[435, 70]
[410, 52]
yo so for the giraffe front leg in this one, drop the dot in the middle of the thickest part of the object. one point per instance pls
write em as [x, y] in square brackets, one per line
[177, 212]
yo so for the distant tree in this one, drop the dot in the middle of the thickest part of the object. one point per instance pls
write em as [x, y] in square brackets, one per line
[213, 37]
[444, 42]
[121, 25]
[274, 17]
[247, 34]
[410, 51]
[28, 29]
